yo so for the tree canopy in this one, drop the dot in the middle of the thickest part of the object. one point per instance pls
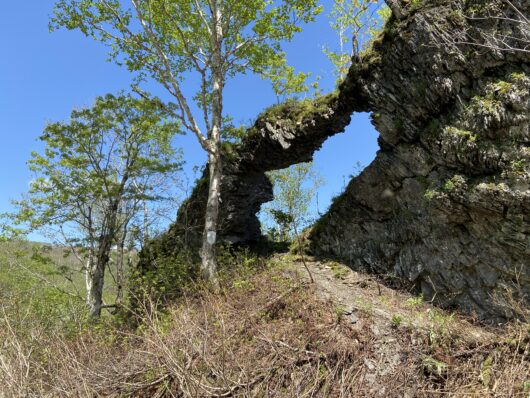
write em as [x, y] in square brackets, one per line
[95, 171]
[173, 40]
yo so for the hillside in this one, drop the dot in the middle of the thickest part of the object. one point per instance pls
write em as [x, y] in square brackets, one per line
[270, 332]
[414, 283]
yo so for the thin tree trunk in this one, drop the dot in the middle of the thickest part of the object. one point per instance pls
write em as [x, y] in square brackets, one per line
[97, 276]
[104, 248]
[209, 263]
[88, 277]
[301, 251]
[146, 224]
[119, 268]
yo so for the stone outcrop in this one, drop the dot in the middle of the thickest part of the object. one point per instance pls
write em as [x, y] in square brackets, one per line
[283, 135]
[446, 202]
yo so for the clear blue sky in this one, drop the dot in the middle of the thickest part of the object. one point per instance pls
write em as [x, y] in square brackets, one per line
[43, 76]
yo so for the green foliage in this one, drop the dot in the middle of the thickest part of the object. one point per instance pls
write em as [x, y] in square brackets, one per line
[340, 311]
[519, 166]
[357, 23]
[232, 133]
[97, 159]
[170, 276]
[517, 76]
[286, 83]
[237, 266]
[434, 367]
[503, 87]
[396, 320]
[457, 181]
[214, 41]
[415, 301]
[483, 105]
[339, 270]
[526, 387]
[166, 280]
[32, 289]
[439, 328]
[415, 4]
[460, 133]
[168, 39]
[449, 186]
[294, 189]
[430, 194]
[485, 373]
[93, 173]
[295, 112]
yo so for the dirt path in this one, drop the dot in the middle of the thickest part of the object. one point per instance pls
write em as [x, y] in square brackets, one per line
[399, 323]
[362, 296]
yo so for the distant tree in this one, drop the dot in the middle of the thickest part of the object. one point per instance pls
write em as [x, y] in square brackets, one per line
[88, 175]
[211, 40]
[294, 188]
[356, 22]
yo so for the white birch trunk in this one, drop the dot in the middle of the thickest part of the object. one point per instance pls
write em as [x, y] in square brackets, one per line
[209, 263]
[88, 278]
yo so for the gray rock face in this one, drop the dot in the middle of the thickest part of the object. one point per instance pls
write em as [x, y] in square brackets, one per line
[446, 202]
[281, 136]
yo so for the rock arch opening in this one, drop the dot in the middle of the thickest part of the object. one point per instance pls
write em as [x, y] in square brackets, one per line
[341, 157]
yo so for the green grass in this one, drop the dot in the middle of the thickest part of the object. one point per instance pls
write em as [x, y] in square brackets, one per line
[47, 282]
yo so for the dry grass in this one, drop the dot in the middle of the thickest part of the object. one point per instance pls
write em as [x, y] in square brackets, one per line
[267, 335]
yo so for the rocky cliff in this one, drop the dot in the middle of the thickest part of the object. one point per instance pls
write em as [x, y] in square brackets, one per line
[446, 202]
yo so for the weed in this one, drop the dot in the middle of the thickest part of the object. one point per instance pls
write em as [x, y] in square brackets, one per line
[340, 311]
[439, 328]
[396, 320]
[434, 367]
[430, 194]
[339, 270]
[415, 301]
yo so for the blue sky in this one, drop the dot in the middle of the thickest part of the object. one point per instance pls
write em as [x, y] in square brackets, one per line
[43, 76]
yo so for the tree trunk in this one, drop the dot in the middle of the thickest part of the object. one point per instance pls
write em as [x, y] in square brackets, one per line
[95, 292]
[146, 225]
[88, 277]
[97, 277]
[120, 279]
[96, 273]
[209, 263]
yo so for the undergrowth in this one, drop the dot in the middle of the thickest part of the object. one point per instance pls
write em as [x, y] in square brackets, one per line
[267, 333]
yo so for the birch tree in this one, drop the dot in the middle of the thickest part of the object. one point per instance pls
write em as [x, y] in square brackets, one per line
[202, 42]
[88, 172]
[355, 22]
[294, 189]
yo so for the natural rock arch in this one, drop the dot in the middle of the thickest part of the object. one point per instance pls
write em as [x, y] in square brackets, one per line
[446, 202]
